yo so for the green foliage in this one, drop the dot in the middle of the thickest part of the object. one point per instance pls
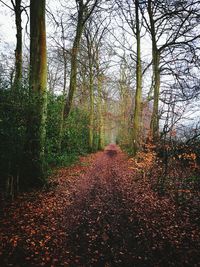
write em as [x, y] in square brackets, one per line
[53, 125]
[74, 137]
[125, 143]
[62, 160]
[76, 133]
[13, 110]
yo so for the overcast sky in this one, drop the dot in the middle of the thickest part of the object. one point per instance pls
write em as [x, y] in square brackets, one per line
[7, 25]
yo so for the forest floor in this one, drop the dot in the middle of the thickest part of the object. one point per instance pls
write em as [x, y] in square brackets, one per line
[99, 212]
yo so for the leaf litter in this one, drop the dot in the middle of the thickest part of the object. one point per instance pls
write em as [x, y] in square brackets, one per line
[100, 212]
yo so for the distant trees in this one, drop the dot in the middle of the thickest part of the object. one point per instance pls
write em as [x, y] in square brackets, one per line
[95, 31]
[131, 13]
[125, 102]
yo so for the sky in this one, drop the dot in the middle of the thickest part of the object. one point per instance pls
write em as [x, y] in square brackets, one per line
[7, 26]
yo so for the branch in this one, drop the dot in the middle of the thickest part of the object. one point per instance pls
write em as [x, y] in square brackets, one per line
[172, 43]
[6, 5]
[91, 10]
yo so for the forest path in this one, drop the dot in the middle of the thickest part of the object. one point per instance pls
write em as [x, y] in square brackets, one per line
[100, 213]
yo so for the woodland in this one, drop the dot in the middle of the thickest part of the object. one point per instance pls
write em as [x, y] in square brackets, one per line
[99, 133]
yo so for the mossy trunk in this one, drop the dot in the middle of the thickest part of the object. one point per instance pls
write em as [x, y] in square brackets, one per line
[138, 93]
[62, 112]
[91, 117]
[18, 50]
[123, 96]
[101, 141]
[36, 128]
[154, 125]
[62, 122]
[74, 62]
[85, 9]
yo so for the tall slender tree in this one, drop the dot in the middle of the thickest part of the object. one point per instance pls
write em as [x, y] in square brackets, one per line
[95, 31]
[130, 11]
[91, 89]
[172, 25]
[154, 126]
[84, 12]
[101, 141]
[18, 51]
[138, 93]
[16, 7]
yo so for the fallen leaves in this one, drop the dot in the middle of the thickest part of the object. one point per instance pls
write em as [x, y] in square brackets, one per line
[101, 213]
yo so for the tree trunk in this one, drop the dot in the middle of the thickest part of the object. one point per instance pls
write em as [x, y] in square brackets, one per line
[62, 122]
[73, 75]
[38, 98]
[138, 94]
[62, 114]
[85, 9]
[154, 126]
[91, 117]
[99, 106]
[18, 50]
[101, 123]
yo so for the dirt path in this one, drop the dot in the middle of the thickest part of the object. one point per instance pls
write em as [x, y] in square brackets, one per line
[100, 213]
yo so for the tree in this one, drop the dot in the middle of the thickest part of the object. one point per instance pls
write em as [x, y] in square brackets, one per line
[18, 9]
[171, 25]
[18, 51]
[95, 31]
[84, 12]
[90, 54]
[125, 134]
[138, 93]
[131, 14]
[34, 151]
[101, 142]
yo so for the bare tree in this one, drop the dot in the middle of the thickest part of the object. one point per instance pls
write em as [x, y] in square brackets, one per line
[84, 9]
[171, 25]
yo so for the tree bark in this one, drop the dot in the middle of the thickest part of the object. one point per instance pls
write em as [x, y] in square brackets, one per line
[154, 125]
[62, 117]
[101, 122]
[84, 13]
[74, 61]
[99, 106]
[36, 129]
[91, 117]
[18, 50]
[138, 94]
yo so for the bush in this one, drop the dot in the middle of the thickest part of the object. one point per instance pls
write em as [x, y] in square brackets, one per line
[13, 110]
[75, 134]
